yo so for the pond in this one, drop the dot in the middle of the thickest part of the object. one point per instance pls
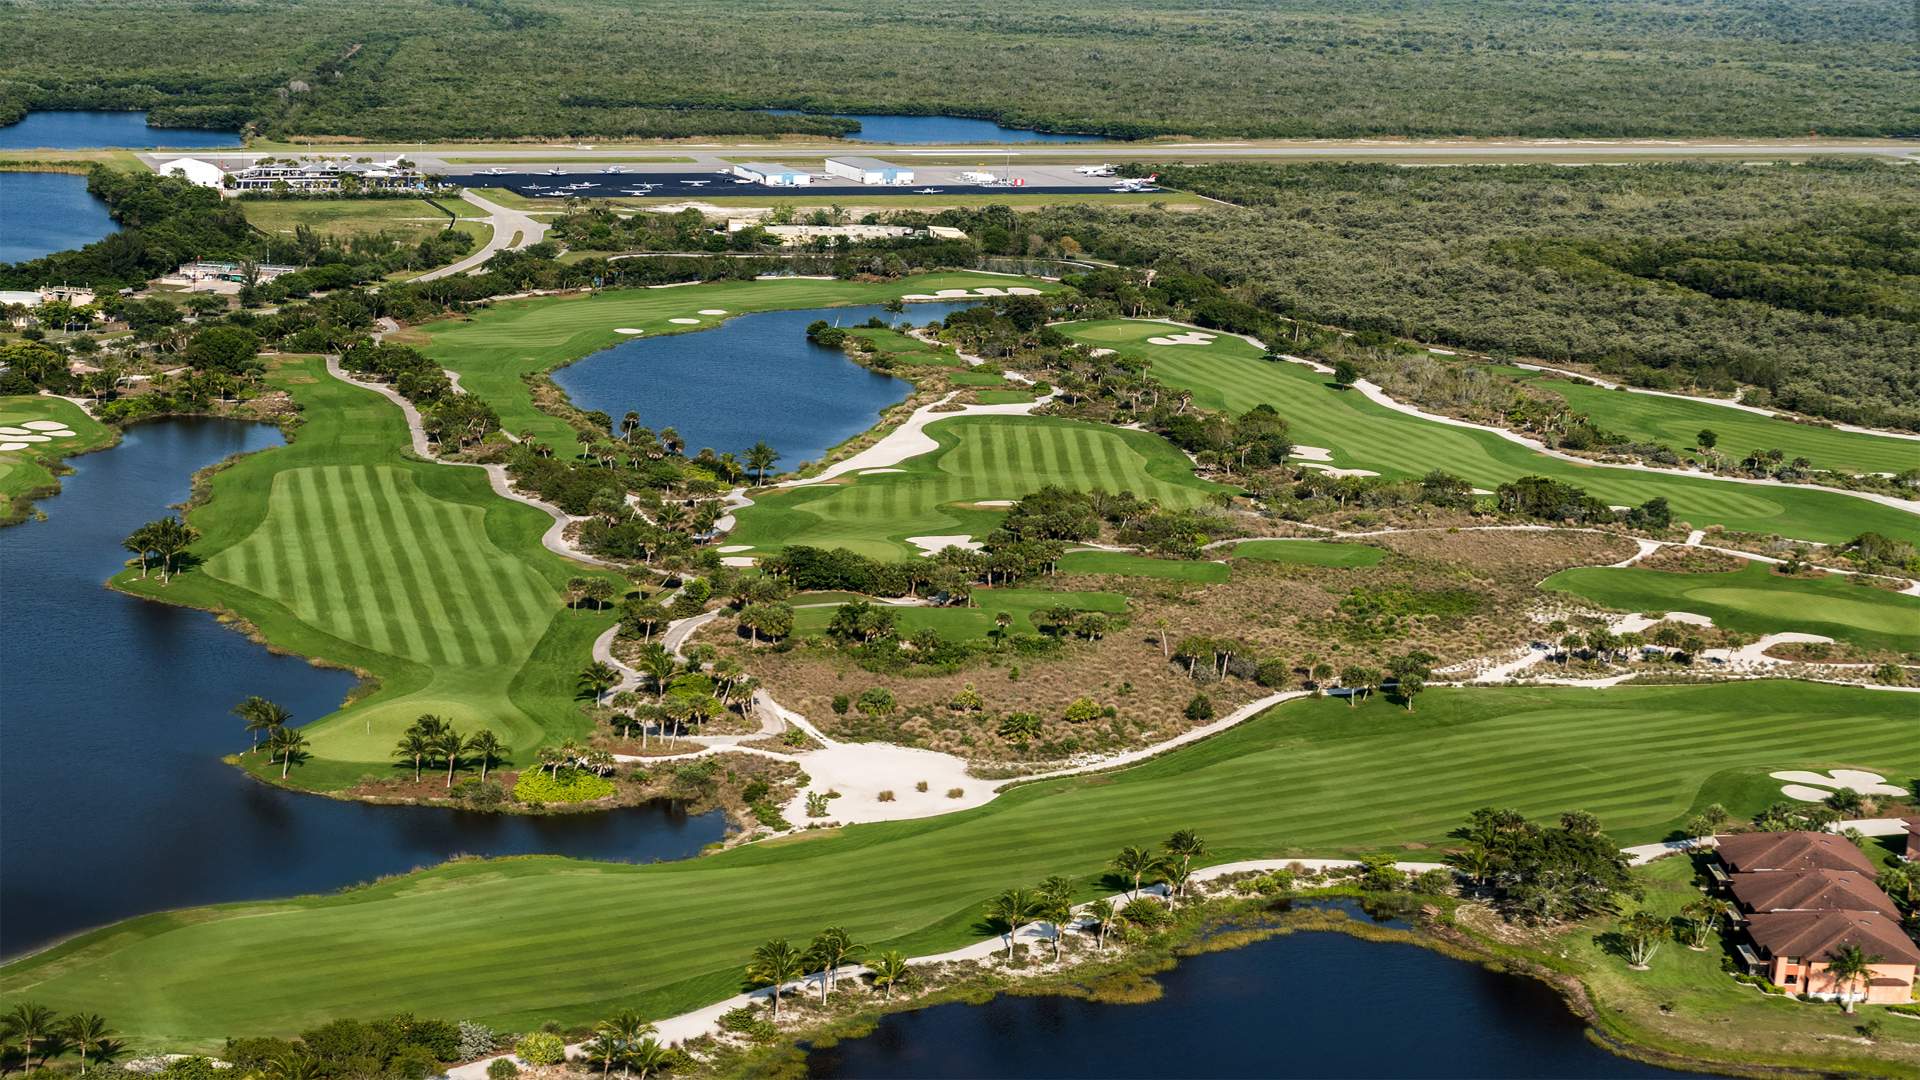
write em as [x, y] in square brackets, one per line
[894, 128]
[96, 129]
[750, 378]
[1302, 1005]
[41, 213]
[113, 718]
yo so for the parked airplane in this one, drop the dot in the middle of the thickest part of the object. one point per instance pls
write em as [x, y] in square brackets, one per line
[1095, 170]
[1137, 184]
[615, 169]
[697, 183]
[556, 172]
[495, 171]
[928, 191]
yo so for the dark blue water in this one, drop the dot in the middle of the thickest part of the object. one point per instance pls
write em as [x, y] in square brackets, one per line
[91, 129]
[890, 128]
[41, 213]
[113, 718]
[752, 377]
[1303, 1005]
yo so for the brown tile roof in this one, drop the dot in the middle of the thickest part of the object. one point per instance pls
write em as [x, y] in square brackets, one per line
[1810, 890]
[1815, 935]
[1745, 852]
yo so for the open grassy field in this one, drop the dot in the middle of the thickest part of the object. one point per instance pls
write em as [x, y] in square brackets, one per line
[1675, 423]
[1308, 552]
[1756, 600]
[339, 546]
[980, 458]
[519, 941]
[1127, 565]
[972, 623]
[495, 349]
[344, 218]
[1229, 374]
[27, 473]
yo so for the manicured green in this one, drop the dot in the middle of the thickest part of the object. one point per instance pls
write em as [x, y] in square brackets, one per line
[1004, 397]
[1308, 552]
[979, 458]
[519, 941]
[972, 623]
[1127, 565]
[340, 546]
[1677, 422]
[1229, 374]
[1756, 600]
[497, 348]
[28, 473]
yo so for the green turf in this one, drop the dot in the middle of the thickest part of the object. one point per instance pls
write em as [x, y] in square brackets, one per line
[342, 547]
[1676, 423]
[1756, 600]
[1230, 374]
[980, 458]
[908, 351]
[344, 218]
[495, 349]
[516, 942]
[971, 623]
[981, 377]
[1126, 565]
[1003, 397]
[28, 473]
[1308, 552]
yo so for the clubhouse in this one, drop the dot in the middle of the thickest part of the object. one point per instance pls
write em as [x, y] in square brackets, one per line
[1804, 896]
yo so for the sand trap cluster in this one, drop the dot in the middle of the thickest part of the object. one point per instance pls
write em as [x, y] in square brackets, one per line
[933, 545]
[685, 322]
[1185, 337]
[628, 330]
[20, 436]
[961, 294]
[1815, 787]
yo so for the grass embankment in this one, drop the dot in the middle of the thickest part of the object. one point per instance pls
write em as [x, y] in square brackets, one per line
[343, 547]
[344, 219]
[516, 942]
[497, 348]
[1677, 423]
[972, 623]
[1292, 552]
[32, 471]
[980, 458]
[1757, 600]
[1229, 374]
[1308, 553]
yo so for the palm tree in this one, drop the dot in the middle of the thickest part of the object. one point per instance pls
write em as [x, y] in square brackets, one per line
[1702, 917]
[778, 963]
[89, 1034]
[618, 1034]
[660, 667]
[598, 677]
[167, 538]
[889, 970]
[27, 1024]
[1902, 882]
[831, 948]
[1134, 863]
[1849, 967]
[1642, 933]
[760, 458]
[649, 1059]
[287, 743]
[254, 711]
[628, 425]
[414, 744]
[1058, 911]
[449, 743]
[486, 746]
[1015, 908]
[1103, 916]
[1185, 846]
[140, 543]
[295, 1065]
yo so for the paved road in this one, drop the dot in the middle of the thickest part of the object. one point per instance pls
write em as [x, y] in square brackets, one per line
[511, 229]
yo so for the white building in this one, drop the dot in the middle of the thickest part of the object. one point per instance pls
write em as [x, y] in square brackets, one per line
[765, 172]
[328, 176]
[866, 170]
[194, 171]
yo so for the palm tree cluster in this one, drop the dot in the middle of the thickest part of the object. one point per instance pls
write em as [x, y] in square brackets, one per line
[283, 740]
[686, 693]
[571, 755]
[626, 1039]
[1173, 863]
[431, 739]
[39, 1035]
[162, 541]
[778, 962]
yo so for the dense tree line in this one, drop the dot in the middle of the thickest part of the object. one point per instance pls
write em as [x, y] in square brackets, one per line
[164, 221]
[404, 68]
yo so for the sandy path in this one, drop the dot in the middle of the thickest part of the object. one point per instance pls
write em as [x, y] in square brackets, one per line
[910, 439]
[511, 229]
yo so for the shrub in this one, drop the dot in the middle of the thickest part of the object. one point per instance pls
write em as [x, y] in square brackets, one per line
[1273, 673]
[1082, 710]
[1200, 707]
[921, 786]
[876, 701]
[816, 804]
[967, 700]
[769, 815]
[955, 793]
[502, 1069]
[482, 796]
[755, 791]
[540, 787]
[541, 1048]
[747, 1021]
[841, 703]
[886, 796]
[1435, 882]
[476, 1040]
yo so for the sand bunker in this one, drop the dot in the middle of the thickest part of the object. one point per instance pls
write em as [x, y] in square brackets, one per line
[627, 330]
[45, 425]
[1021, 290]
[685, 322]
[737, 560]
[734, 547]
[917, 296]
[5, 446]
[713, 311]
[1331, 471]
[1313, 453]
[1189, 337]
[994, 502]
[933, 545]
[953, 292]
[877, 472]
[23, 439]
[1801, 787]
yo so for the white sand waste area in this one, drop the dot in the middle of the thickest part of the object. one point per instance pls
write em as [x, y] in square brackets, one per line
[1185, 337]
[933, 545]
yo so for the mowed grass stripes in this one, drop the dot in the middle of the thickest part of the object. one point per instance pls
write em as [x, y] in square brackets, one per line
[1230, 374]
[519, 941]
[980, 458]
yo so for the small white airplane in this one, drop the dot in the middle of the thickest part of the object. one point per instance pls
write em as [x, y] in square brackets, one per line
[615, 169]
[1137, 184]
[495, 171]
[555, 172]
[928, 191]
[536, 187]
[1095, 170]
[744, 180]
[697, 183]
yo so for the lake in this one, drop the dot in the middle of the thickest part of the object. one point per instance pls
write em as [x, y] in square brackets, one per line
[750, 378]
[41, 213]
[1301, 1005]
[113, 718]
[97, 129]
[893, 128]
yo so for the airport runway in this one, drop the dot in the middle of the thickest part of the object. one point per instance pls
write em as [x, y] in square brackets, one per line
[683, 185]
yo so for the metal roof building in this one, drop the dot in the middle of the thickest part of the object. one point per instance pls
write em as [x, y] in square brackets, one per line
[868, 170]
